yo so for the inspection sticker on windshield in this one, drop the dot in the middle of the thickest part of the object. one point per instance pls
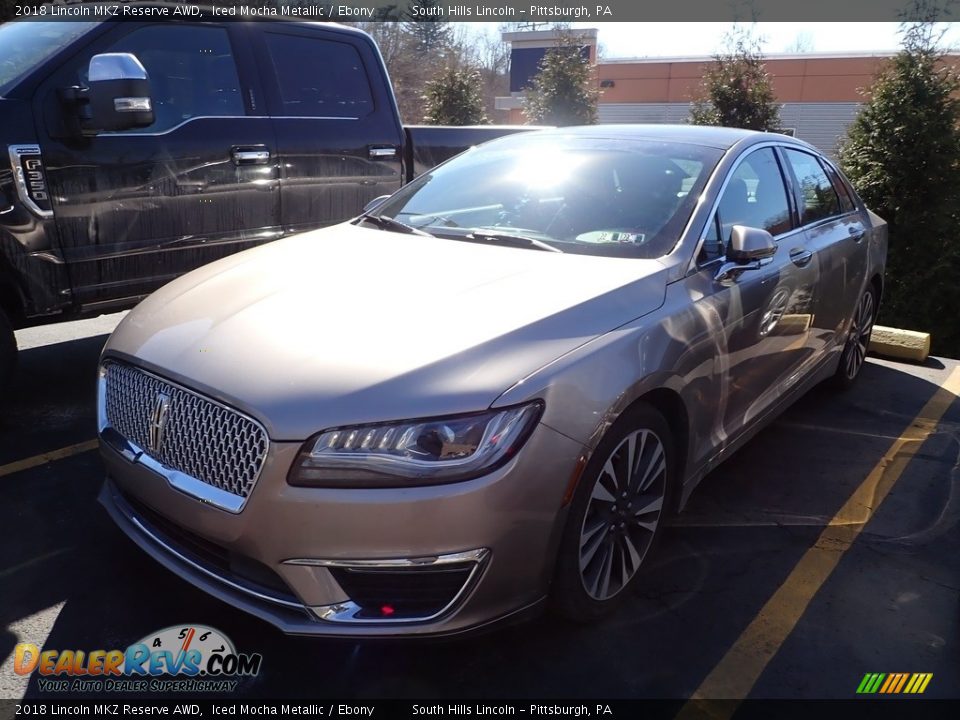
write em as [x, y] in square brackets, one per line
[612, 236]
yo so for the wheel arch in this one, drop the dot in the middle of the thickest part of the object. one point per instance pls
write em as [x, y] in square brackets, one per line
[670, 404]
[11, 297]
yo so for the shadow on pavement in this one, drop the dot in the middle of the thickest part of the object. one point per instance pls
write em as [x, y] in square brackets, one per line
[52, 403]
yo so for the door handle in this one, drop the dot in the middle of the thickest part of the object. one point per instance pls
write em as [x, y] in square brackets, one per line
[856, 233]
[800, 257]
[381, 152]
[250, 156]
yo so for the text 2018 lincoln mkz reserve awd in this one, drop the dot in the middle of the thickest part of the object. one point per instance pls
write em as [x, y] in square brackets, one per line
[487, 392]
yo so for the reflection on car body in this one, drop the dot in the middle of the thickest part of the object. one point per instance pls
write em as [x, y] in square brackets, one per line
[369, 430]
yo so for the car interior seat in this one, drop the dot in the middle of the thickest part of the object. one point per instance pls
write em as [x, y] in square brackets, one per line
[735, 207]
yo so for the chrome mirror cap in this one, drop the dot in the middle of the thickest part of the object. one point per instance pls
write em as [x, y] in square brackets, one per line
[115, 66]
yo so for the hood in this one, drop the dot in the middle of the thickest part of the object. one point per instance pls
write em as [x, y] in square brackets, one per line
[351, 325]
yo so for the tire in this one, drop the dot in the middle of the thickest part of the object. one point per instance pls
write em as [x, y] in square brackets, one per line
[605, 542]
[8, 354]
[857, 342]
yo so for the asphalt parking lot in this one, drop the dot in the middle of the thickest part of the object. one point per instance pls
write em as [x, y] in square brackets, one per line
[823, 550]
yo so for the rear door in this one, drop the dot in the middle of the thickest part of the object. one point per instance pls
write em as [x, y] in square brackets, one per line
[339, 137]
[135, 209]
[834, 230]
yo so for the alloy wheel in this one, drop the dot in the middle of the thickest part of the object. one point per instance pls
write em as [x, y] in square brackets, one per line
[859, 338]
[623, 513]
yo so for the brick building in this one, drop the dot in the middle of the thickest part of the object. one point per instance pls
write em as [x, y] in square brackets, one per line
[820, 93]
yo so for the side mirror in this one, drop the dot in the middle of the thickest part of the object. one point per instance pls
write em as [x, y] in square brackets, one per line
[749, 244]
[119, 93]
[750, 249]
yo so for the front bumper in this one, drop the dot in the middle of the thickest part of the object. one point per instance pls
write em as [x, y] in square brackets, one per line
[291, 556]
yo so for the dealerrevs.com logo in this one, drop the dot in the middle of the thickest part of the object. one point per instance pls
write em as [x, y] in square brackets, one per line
[181, 658]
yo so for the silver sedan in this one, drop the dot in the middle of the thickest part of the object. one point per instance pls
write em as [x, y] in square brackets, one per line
[485, 394]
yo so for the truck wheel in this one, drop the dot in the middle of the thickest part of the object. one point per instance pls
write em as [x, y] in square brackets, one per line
[8, 354]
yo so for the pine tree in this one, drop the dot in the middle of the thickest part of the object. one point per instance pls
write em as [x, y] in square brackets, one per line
[562, 92]
[430, 33]
[736, 89]
[902, 153]
[453, 97]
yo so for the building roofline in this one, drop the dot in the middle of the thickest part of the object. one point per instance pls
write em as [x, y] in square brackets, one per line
[771, 56]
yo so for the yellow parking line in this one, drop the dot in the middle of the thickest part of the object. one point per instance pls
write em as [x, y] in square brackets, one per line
[738, 671]
[43, 459]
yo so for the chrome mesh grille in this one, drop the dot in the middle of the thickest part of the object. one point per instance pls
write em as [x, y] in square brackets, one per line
[201, 438]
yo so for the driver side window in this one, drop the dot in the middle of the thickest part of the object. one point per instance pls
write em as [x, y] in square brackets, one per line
[755, 196]
[191, 69]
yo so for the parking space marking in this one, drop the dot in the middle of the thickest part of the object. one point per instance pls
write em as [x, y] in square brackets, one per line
[44, 458]
[32, 561]
[738, 671]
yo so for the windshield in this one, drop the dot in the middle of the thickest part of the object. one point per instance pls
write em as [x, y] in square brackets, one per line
[24, 45]
[591, 196]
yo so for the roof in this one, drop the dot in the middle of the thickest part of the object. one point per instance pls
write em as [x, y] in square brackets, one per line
[719, 137]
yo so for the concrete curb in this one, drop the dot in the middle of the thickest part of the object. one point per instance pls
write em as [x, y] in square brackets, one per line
[900, 344]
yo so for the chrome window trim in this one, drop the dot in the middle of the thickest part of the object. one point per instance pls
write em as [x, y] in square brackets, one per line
[122, 133]
[14, 152]
[187, 484]
[346, 612]
[693, 267]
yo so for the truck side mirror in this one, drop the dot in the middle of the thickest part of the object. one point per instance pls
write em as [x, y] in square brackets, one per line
[119, 93]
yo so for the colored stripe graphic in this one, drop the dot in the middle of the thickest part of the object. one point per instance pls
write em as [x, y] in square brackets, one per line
[894, 683]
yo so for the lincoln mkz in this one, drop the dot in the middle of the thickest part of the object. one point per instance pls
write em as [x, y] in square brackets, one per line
[485, 394]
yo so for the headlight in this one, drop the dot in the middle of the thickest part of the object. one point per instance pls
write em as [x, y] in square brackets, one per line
[415, 452]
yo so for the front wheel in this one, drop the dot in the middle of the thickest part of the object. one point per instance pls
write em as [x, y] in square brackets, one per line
[615, 517]
[858, 341]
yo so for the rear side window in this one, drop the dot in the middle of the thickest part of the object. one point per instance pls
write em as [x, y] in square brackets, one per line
[846, 202]
[192, 72]
[319, 78]
[819, 199]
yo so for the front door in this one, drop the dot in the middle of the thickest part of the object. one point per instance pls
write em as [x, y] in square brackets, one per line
[762, 317]
[135, 209]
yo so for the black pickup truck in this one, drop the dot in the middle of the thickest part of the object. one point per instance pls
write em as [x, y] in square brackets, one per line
[134, 152]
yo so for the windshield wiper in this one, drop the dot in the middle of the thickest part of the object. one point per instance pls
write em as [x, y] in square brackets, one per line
[511, 239]
[383, 222]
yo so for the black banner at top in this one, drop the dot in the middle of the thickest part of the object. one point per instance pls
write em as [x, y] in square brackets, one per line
[524, 11]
